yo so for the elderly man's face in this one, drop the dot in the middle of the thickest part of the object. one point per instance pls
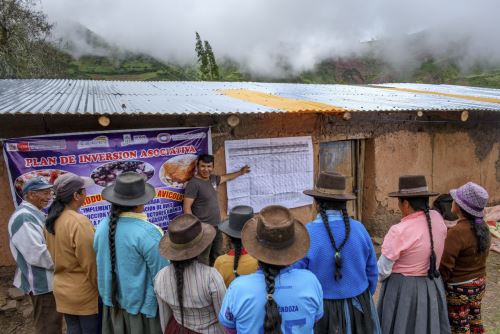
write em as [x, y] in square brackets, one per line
[40, 198]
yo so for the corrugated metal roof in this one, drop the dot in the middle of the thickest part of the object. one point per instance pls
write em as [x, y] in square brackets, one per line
[42, 96]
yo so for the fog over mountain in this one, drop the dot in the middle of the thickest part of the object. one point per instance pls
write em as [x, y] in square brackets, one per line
[269, 36]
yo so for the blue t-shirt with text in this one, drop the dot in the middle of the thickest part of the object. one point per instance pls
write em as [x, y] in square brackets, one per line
[297, 292]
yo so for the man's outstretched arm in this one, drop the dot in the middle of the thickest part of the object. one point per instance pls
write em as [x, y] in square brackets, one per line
[231, 176]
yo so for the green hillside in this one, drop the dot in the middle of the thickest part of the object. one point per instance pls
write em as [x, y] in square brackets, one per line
[342, 71]
[133, 67]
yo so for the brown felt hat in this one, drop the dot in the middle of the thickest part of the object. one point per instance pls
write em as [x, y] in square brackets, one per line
[330, 186]
[186, 238]
[412, 186]
[275, 237]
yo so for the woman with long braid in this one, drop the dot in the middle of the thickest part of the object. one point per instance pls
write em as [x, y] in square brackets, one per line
[463, 265]
[237, 261]
[277, 298]
[189, 292]
[412, 299]
[69, 235]
[126, 247]
[342, 256]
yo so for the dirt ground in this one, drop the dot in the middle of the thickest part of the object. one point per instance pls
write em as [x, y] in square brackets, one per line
[15, 322]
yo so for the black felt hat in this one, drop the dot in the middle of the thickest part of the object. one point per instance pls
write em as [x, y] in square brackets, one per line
[412, 186]
[238, 216]
[129, 189]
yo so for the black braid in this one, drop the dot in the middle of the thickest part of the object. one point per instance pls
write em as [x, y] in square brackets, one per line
[335, 205]
[481, 231]
[433, 272]
[55, 210]
[114, 215]
[422, 204]
[179, 267]
[237, 253]
[272, 320]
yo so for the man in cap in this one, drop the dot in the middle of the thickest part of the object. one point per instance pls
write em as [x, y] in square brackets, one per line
[35, 268]
[201, 200]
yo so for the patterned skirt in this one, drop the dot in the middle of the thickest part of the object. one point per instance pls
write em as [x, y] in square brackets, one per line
[464, 306]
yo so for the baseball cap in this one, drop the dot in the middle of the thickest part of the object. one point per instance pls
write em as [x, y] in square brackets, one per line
[68, 184]
[35, 184]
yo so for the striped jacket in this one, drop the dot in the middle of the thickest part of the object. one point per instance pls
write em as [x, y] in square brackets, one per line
[35, 269]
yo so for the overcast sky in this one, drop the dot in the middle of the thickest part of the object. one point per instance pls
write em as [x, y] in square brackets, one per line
[265, 33]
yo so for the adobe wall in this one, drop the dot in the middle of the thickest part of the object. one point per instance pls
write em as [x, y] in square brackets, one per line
[447, 159]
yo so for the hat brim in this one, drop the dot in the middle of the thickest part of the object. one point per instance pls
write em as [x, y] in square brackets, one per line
[109, 195]
[227, 229]
[340, 197]
[175, 254]
[465, 207]
[47, 186]
[415, 194]
[279, 257]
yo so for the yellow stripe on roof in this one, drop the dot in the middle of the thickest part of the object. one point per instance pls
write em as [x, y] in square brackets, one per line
[278, 102]
[458, 96]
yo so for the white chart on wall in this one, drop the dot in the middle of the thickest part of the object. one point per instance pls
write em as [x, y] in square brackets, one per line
[281, 168]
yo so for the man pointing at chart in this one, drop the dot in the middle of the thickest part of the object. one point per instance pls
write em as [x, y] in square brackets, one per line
[201, 200]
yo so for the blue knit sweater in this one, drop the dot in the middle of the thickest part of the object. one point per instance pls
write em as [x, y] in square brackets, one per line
[359, 262]
[137, 262]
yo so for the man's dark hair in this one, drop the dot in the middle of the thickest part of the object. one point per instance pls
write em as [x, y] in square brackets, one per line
[206, 158]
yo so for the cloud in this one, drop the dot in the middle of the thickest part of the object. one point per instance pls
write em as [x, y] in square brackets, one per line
[266, 34]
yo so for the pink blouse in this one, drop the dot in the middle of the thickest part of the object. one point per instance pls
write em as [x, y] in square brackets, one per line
[408, 243]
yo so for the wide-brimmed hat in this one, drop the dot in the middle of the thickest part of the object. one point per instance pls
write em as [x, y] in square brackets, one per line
[330, 186]
[66, 185]
[186, 238]
[129, 189]
[471, 197]
[275, 237]
[238, 216]
[412, 186]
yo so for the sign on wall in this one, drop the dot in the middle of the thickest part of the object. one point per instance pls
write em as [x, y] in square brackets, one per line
[281, 169]
[166, 158]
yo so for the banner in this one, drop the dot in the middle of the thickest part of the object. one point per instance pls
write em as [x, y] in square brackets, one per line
[166, 158]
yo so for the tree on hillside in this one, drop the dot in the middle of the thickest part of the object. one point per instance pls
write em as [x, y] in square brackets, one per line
[212, 64]
[207, 66]
[202, 59]
[24, 49]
